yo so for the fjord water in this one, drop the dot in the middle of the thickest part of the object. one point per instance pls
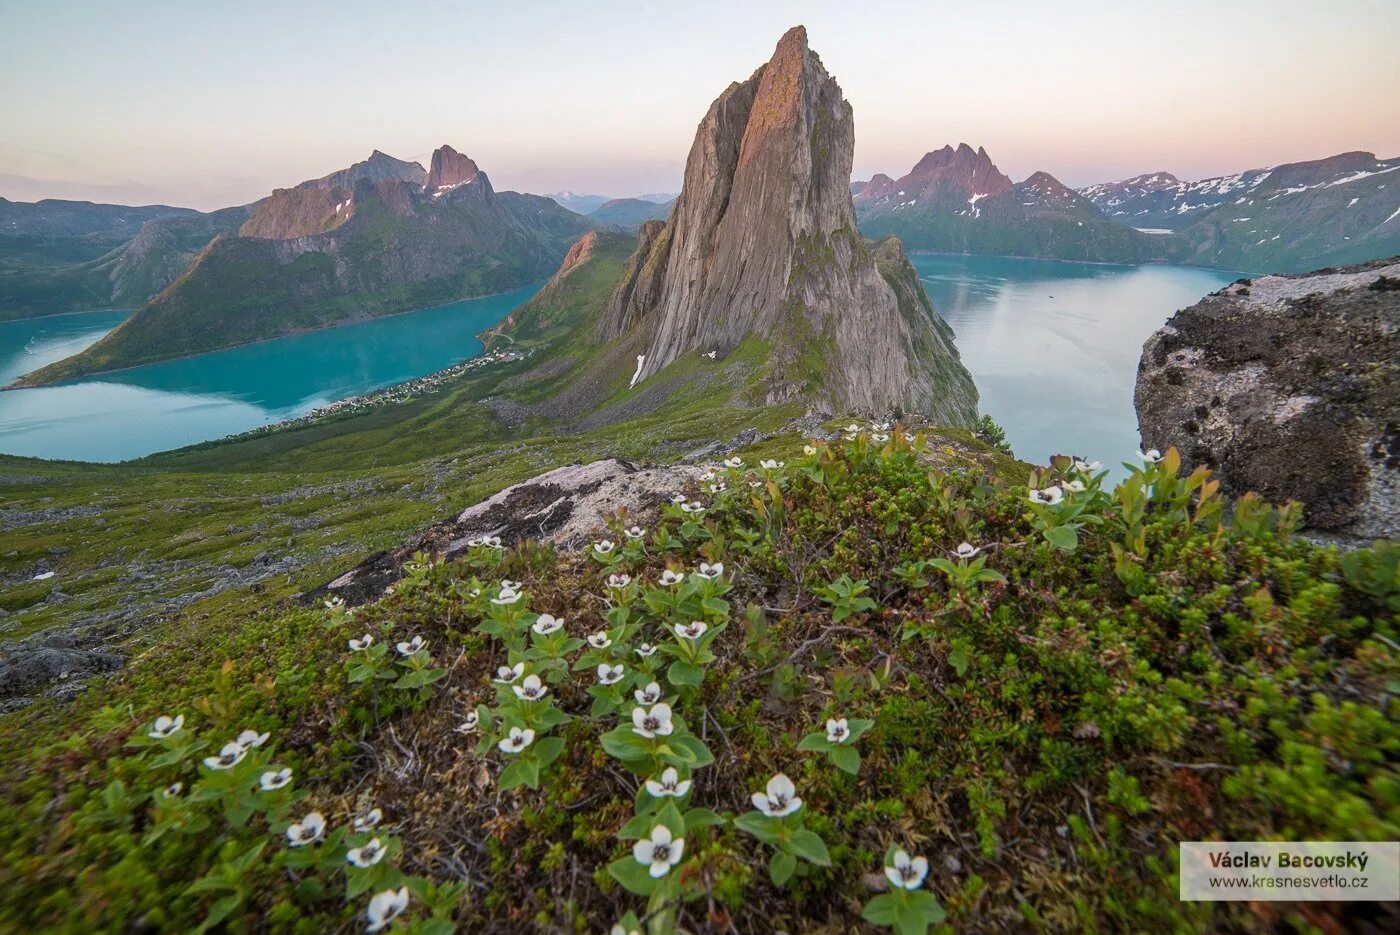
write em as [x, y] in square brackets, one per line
[180, 402]
[1054, 345]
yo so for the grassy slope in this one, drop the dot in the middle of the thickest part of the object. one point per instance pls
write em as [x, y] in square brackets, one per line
[1038, 738]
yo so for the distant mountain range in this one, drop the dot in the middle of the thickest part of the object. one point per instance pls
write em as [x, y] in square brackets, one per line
[379, 237]
[958, 201]
[1286, 218]
[630, 213]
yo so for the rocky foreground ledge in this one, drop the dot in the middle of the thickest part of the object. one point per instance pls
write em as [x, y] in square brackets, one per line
[1288, 386]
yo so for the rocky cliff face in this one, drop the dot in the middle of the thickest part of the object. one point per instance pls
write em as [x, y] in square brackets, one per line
[762, 242]
[450, 169]
[1288, 386]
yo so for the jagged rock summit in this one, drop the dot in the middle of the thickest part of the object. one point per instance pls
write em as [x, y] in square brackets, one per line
[762, 243]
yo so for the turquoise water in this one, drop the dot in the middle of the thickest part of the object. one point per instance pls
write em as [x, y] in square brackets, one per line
[1054, 346]
[180, 402]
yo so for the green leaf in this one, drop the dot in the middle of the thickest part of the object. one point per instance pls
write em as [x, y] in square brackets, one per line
[807, 845]
[959, 659]
[881, 910]
[815, 741]
[547, 750]
[759, 825]
[701, 818]
[846, 759]
[632, 875]
[1065, 538]
[683, 673]
[525, 771]
[781, 868]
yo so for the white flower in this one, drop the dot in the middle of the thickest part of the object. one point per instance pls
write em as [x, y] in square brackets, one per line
[471, 723]
[517, 740]
[755, 483]
[546, 624]
[837, 730]
[366, 856]
[166, 726]
[652, 723]
[619, 581]
[1050, 495]
[634, 532]
[491, 542]
[781, 798]
[603, 547]
[411, 646]
[908, 873]
[966, 550]
[735, 462]
[473, 543]
[909, 437]
[691, 631]
[694, 506]
[649, 695]
[174, 789]
[363, 643]
[275, 779]
[1087, 467]
[507, 674]
[669, 577]
[335, 603]
[385, 907]
[1151, 455]
[770, 464]
[610, 675]
[708, 476]
[307, 831]
[670, 784]
[678, 498]
[513, 585]
[853, 428]
[809, 450]
[532, 689]
[251, 738]
[710, 572]
[880, 426]
[879, 437]
[720, 487]
[599, 640]
[1075, 486]
[507, 596]
[645, 650]
[368, 820]
[230, 756]
[659, 852]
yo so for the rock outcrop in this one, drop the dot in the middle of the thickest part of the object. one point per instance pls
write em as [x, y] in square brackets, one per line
[1288, 386]
[450, 169]
[562, 507]
[762, 243]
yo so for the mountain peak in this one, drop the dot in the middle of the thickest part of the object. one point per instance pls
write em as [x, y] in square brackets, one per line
[450, 169]
[762, 243]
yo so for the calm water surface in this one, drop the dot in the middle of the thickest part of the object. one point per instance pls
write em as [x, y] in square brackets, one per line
[1054, 346]
[180, 402]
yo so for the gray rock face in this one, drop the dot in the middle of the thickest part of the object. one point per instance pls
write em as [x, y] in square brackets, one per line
[1288, 386]
[565, 507]
[763, 242]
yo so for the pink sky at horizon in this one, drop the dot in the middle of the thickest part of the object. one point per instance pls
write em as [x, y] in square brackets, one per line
[209, 107]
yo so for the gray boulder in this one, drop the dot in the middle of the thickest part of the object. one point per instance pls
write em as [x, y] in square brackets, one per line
[1288, 386]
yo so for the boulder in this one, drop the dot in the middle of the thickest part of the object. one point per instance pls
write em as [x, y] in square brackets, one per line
[1288, 386]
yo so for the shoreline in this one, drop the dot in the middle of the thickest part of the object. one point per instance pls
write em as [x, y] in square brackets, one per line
[17, 386]
[1052, 259]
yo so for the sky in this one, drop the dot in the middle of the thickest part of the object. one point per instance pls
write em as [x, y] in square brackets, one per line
[210, 104]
